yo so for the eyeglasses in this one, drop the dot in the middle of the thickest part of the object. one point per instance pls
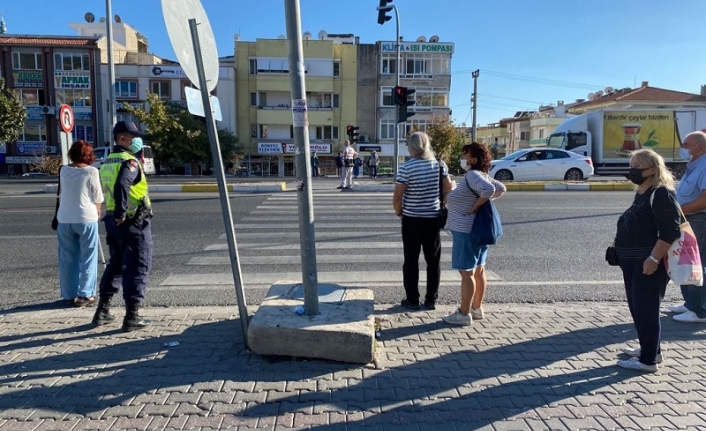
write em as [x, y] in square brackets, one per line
[684, 144]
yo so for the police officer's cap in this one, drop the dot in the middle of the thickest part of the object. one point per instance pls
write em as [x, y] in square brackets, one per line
[127, 127]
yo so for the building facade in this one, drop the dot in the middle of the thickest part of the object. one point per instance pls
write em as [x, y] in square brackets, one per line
[264, 99]
[426, 68]
[49, 71]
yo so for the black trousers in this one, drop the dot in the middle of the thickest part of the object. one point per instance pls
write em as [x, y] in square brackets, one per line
[645, 294]
[421, 234]
[130, 261]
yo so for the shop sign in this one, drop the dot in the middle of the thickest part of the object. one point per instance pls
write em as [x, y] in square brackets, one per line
[30, 147]
[28, 79]
[22, 160]
[72, 80]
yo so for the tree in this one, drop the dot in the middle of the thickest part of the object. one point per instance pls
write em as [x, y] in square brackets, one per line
[12, 114]
[179, 137]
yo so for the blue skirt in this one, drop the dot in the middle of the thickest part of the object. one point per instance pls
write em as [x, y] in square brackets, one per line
[464, 254]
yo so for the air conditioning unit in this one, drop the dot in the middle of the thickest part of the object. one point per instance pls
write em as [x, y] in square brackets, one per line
[363, 138]
[48, 110]
[50, 149]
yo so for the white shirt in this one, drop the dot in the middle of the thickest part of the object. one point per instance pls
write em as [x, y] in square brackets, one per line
[80, 192]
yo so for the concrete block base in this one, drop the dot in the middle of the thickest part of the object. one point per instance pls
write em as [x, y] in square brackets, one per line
[342, 331]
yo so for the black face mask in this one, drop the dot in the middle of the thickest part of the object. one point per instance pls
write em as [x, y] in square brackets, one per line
[635, 175]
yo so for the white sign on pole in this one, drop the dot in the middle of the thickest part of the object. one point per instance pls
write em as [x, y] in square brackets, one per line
[194, 102]
[66, 141]
[177, 14]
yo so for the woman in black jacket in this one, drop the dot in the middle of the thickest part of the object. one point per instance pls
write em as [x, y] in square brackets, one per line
[645, 232]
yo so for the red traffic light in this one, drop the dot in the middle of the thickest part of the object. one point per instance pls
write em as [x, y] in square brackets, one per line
[349, 129]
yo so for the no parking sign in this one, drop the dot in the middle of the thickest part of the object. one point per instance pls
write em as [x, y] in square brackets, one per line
[66, 118]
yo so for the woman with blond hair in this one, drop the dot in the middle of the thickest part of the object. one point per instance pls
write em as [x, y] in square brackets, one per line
[644, 234]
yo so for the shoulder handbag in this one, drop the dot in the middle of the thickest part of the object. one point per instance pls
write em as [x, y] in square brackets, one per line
[444, 212]
[487, 228]
[611, 256]
[683, 261]
[55, 221]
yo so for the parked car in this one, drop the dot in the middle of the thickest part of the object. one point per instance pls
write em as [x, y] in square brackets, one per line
[145, 156]
[35, 174]
[542, 164]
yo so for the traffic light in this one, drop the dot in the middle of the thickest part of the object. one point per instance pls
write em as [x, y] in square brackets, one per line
[400, 98]
[383, 17]
[352, 133]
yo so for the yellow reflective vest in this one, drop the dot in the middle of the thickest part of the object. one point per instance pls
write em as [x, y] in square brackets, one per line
[109, 171]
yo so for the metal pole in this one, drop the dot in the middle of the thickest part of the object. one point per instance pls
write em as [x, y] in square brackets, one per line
[397, 84]
[221, 178]
[111, 70]
[303, 163]
[475, 103]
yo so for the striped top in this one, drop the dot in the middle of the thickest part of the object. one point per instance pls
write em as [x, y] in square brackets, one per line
[421, 197]
[461, 199]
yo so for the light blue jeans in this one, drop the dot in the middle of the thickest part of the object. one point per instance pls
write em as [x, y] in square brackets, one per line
[78, 259]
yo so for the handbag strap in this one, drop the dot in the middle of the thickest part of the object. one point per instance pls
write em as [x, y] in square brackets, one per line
[652, 201]
[441, 184]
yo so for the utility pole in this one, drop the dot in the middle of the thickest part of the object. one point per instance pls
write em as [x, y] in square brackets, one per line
[111, 70]
[475, 102]
[300, 122]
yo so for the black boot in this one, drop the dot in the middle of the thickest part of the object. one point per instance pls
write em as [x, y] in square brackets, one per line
[103, 315]
[133, 321]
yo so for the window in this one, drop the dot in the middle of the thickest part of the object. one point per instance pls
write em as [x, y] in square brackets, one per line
[83, 132]
[336, 68]
[576, 140]
[415, 67]
[553, 154]
[263, 131]
[336, 101]
[31, 97]
[253, 67]
[541, 133]
[253, 130]
[27, 60]
[319, 100]
[415, 126]
[33, 132]
[71, 61]
[327, 132]
[126, 89]
[184, 84]
[253, 99]
[163, 89]
[524, 136]
[73, 97]
[387, 96]
[387, 129]
[389, 65]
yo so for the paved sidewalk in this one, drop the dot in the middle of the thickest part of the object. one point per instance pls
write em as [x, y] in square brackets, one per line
[526, 367]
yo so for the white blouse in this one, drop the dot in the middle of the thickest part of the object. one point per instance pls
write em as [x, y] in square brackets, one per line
[80, 191]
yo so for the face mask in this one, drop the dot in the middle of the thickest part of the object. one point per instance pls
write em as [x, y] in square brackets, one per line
[684, 154]
[136, 145]
[464, 165]
[635, 175]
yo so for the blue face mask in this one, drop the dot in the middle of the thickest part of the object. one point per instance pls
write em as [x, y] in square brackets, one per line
[684, 154]
[136, 145]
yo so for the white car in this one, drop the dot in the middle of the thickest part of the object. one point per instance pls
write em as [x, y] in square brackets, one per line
[542, 164]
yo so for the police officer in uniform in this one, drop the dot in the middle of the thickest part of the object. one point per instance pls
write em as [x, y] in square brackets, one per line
[127, 225]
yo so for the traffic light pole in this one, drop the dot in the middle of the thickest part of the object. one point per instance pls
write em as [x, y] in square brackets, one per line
[397, 84]
[301, 147]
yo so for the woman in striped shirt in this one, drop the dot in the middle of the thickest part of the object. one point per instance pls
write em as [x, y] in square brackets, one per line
[417, 202]
[476, 188]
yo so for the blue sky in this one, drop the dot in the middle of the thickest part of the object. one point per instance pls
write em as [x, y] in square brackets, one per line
[529, 53]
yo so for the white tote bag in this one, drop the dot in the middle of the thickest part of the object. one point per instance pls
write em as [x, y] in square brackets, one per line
[683, 260]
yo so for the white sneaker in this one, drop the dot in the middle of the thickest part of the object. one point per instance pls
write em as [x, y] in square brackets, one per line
[679, 309]
[635, 364]
[689, 317]
[458, 319]
[477, 313]
[636, 352]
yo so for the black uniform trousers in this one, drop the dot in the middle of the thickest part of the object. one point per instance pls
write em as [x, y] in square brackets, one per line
[130, 261]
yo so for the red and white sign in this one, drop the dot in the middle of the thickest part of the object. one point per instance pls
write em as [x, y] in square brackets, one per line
[66, 118]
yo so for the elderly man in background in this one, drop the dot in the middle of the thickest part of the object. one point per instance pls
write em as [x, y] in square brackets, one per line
[691, 195]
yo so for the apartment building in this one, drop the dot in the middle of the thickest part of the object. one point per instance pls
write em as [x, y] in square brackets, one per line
[48, 71]
[263, 95]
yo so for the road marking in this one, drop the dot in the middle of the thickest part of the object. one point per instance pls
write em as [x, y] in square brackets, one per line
[356, 277]
[343, 246]
[320, 259]
[319, 235]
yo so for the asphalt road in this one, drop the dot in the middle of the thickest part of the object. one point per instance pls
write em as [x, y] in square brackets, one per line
[552, 250]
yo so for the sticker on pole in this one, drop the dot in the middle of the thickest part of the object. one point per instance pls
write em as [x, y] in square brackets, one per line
[66, 118]
[299, 115]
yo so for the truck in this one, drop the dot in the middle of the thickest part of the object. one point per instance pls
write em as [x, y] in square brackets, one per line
[609, 136]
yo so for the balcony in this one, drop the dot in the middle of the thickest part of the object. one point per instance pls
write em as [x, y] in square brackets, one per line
[321, 117]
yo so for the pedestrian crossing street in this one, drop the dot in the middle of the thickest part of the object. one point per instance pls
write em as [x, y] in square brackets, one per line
[358, 243]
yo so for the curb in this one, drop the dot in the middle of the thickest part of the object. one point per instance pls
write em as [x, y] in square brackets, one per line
[202, 188]
[570, 187]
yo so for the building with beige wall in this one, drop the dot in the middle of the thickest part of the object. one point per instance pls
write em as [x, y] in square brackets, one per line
[263, 96]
